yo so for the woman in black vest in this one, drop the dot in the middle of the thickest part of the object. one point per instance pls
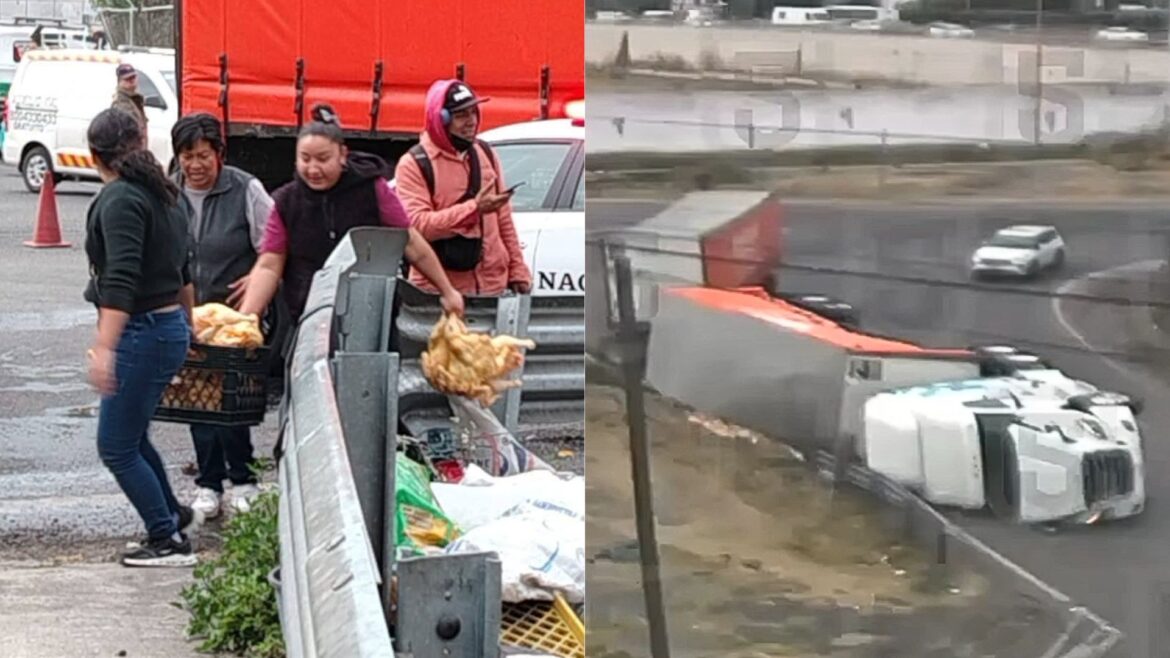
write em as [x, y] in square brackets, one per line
[136, 242]
[334, 190]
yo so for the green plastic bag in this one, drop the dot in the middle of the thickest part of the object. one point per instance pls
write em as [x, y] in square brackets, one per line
[418, 520]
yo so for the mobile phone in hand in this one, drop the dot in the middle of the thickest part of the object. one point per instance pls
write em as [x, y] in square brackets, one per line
[512, 190]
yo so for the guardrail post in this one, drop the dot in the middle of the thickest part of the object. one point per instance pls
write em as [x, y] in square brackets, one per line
[449, 605]
[632, 338]
[363, 313]
[365, 382]
[512, 314]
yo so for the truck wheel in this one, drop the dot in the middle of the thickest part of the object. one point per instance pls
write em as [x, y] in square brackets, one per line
[1033, 270]
[1005, 365]
[36, 166]
[1084, 403]
[1058, 262]
[827, 307]
[994, 350]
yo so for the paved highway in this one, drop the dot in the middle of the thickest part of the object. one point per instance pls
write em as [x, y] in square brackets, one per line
[1120, 570]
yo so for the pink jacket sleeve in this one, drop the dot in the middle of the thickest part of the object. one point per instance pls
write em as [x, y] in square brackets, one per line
[416, 198]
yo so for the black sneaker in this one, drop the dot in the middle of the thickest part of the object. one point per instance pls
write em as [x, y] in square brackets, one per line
[189, 521]
[161, 553]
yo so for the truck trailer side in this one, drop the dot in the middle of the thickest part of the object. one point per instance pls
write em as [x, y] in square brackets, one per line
[261, 65]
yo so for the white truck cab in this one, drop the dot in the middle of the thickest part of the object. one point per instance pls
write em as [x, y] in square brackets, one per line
[1036, 446]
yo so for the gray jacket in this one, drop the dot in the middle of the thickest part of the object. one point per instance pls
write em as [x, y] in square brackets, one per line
[226, 233]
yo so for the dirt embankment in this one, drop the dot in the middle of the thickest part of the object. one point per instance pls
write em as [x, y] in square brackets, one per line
[759, 558]
[1066, 180]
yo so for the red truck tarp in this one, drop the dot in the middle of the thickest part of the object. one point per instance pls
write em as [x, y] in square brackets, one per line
[503, 45]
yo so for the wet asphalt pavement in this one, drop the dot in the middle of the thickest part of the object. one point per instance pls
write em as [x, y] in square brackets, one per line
[56, 498]
[1119, 570]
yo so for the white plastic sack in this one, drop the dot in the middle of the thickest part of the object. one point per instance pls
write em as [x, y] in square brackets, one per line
[541, 547]
[534, 522]
[480, 498]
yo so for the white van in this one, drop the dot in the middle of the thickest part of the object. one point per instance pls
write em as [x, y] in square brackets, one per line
[56, 93]
[800, 16]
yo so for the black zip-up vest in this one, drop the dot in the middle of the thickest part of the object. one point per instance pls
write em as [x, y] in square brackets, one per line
[315, 222]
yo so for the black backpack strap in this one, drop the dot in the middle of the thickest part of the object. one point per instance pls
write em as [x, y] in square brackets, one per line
[424, 165]
[491, 157]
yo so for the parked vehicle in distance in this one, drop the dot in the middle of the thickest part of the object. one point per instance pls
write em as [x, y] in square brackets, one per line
[1121, 34]
[858, 13]
[1021, 250]
[792, 16]
[944, 30]
[56, 93]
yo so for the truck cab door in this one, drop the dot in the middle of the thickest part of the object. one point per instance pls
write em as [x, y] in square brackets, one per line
[1047, 476]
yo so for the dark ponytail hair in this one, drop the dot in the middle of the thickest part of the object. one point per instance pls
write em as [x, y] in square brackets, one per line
[116, 141]
[325, 124]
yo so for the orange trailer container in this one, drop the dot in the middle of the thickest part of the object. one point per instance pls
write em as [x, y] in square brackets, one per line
[262, 64]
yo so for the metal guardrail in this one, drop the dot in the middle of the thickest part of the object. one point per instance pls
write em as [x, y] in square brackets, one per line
[329, 575]
[353, 377]
[1086, 635]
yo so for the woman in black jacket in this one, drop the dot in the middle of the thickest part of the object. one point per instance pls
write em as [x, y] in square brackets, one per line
[136, 241]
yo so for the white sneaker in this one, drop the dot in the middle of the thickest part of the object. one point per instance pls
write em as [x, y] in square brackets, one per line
[207, 502]
[242, 496]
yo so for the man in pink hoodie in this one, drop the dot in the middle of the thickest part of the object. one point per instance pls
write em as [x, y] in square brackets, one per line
[453, 190]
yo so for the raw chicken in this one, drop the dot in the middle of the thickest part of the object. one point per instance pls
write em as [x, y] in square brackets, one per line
[460, 362]
[222, 326]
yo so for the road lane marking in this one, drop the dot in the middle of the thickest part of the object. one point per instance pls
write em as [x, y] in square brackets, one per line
[1069, 285]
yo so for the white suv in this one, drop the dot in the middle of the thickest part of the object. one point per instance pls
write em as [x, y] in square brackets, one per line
[1021, 250]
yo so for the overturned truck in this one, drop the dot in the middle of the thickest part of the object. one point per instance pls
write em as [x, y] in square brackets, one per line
[970, 428]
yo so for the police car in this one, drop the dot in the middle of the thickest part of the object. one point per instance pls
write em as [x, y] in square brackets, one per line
[549, 209]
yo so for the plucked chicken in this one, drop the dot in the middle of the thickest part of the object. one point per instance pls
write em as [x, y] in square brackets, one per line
[223, 326]
[461, 362]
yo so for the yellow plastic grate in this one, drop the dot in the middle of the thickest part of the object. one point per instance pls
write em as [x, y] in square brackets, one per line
[542, 626]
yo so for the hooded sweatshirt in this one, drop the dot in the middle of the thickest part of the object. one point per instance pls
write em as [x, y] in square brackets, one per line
[306, 225]
[444, 216]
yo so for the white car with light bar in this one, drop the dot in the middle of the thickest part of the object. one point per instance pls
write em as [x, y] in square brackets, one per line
[1020, 251]
[548, 157]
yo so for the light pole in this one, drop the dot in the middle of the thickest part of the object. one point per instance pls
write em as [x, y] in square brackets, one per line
[1039, 71]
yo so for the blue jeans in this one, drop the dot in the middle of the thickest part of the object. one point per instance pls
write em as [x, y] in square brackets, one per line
[149, 354]
[222, 453]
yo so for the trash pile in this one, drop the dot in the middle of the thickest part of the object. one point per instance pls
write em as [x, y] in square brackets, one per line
[534, 519]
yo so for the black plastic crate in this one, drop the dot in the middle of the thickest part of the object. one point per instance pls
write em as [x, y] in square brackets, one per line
[218, 386]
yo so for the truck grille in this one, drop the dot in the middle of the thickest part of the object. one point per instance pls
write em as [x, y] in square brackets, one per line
[1106, 474]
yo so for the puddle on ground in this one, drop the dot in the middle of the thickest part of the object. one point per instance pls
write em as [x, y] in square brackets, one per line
[47, 320]
[84, 411]
[45, 387]
[760, 558]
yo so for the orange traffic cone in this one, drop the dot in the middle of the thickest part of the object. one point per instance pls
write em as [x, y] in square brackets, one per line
[48, 232]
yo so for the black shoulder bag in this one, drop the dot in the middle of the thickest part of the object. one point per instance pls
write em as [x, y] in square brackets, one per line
[457, 253]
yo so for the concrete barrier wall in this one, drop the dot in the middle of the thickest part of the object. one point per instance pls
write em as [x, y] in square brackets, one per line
[916, 59]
